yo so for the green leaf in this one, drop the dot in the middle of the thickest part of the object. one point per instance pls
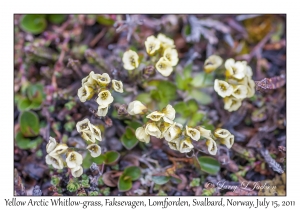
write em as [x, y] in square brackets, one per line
[196, 118]
[168, 89]
[35, 93]
[26, 143]
[56, 18]
[24, 104]
[124, 184]
[133, 172]
[99, 160]
[128, 139]
[165, 90]
[144, 98]
[105, 20]
[35, 105]
[192, 105]
[183, 83]
[182, 109]
[201, 97]
[187, 71]
[111, 157]
[133, 124]
[209, 165]
[202, 79]
[160, 180]
[33, 23]
[29, 123]
[87, 161]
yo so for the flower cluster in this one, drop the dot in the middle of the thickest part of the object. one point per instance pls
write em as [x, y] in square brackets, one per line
[163, 47]
[73, 159]
[56, 152]
[237, 86]
[161, 125]
[98, 83]
[90, 133]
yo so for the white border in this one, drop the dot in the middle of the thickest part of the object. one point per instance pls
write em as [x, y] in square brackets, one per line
[8, 8]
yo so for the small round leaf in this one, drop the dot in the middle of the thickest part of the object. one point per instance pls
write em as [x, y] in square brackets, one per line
[33, 23]
[29, 123]
[111, 157]
[124, 184]
[160, 180]
[56, 18]
[209, 164]
[132, 171]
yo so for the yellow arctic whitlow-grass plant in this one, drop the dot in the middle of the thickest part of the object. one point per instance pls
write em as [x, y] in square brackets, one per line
[98, 84]
[160, 124]
[238, 83]
[162, 49]
[73, 159]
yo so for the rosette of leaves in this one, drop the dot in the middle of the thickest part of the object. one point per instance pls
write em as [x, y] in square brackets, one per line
[191, 83]
[27, 137]
[160, 96]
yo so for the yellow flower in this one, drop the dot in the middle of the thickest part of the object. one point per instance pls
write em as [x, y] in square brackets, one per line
[164, 126]
[152, 45]
[152, 130]
[102, 110]
[88, 80]
[185, 145]
[83, 125]
[155, 116]
[204, 132]
[235, 69]
[105, 98]
[212, 63]
[234, 81]
[136, 107]
[228, 141]
[77, 171]
[174, 144]
[192, 132]
[173, 132]
[211, 146]
[73, 159]
[249, 72]
[141, 135]
[223, 88]
[222, 133]
[94, 149]
[164, 67]
[171, 55]
[250, 88]
[96, 132]
[102, 79]
[88, 136]
[117, 86]
[232, 104]
[55, 160]
[165, 42]
[51, 145]
[169, 112]
[240, 91]
[85, 93]
[130, 60]
[59, 149]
